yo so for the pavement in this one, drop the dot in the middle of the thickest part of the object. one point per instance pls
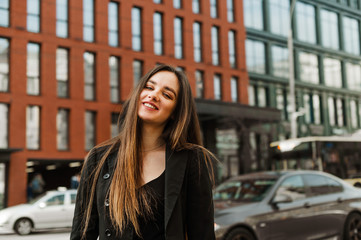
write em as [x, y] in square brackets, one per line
[63, 234]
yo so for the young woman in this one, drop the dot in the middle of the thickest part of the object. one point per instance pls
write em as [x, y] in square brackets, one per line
[154, 180]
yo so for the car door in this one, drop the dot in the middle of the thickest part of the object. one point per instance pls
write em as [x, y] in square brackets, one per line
[69, 208]
[50, 212]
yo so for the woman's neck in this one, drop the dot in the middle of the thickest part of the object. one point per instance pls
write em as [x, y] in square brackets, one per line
[151, 138]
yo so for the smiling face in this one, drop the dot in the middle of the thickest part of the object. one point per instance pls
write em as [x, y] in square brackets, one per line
[158, 98]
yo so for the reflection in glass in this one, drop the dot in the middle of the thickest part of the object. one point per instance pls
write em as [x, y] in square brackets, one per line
[62, 127]
[215, 45]
[196, 6]
[217, 87]
[251, 95]
[232, 48]
[4, 14]
[253, 14]
[332, 72]
[158, 33]
[280, 61]
[4, 65]
[136, 29]
[4, 126]
[178, 38]
[199, 75]
[90, 129]
[351, 35]
[114, 79]
[88, 20]
[281, 102]
[62, 18]
[33, 127]
[306, 16]
[280, 16]
[177, 4]
[213, 8]
[308, 65]
[230, 11]
[62, 71]
[89, 76]
[113, 24]
[255, 56]
[197, 44]
[114, 125]
[353, 76]
[234, 89]
[33, 16]
[353, 112]
[33, 69]
[137, 71]
[329, 25]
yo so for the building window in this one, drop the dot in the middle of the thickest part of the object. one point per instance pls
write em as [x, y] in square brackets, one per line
[232, 49]
[282, 102]
[253, 14]
[230, 10]
[354, 115]
[62, 127]
[329, 25]
[88, 20]
[353, 75]
[113, 27]
[311, 104]
[4, 13]
[33, 127]
[332, 72]
[62, 18]
[90, 124]
[308, 64]
[251, 95]
[178, 38]
[136, 29]
[280, 16]
[336, 112]
[4, 125]
[354, 4]
[215, 45]
[33, 16]
[62, 72]
[137, 71]
[114, 79]
[217, 87]
[258, 96]
[158, 33]
[214, 8]
[197, 41]
[196, 7]
[255, 56]
[114, 131]
[4, 65]
[33, 69]
[177, 4]
[306, 16]
[157, 1]
[199, 75]
[280, 61]
[89, 76]
[351, 35]
[234, 89]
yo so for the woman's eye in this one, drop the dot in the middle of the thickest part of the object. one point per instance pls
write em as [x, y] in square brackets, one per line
[167, 96]
[148, 87]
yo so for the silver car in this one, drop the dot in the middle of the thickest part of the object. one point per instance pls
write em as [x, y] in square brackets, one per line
[295, 205]
[53, 209]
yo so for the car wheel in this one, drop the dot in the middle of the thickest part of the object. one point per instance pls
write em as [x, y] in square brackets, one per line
[240, 234]
[23, 226]
[353, 227]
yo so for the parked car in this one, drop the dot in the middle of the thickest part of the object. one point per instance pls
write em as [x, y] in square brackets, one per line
[53, 209]
[287, 205]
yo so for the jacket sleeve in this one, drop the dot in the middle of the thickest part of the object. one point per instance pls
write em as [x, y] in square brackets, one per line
[83, 195]
[200, 212]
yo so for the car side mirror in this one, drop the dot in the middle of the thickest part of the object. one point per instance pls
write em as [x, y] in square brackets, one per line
[281, 198]
[42, 205]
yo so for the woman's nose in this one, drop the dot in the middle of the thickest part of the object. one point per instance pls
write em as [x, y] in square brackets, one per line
[153, 95]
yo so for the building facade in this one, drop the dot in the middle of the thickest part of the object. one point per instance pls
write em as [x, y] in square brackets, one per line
[66, 66]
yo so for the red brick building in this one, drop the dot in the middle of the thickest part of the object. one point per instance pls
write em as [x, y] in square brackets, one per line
[48, 47]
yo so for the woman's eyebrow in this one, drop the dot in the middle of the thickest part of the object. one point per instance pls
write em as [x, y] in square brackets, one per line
[166, 87]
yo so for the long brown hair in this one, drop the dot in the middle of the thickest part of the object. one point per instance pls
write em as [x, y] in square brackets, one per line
[182, 131]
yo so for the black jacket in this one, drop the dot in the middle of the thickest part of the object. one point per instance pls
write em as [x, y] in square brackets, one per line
[188, 199]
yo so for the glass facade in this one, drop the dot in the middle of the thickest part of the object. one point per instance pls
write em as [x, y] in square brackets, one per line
[137, 71]
[89, 76]
[4, 65]
[215, 45]
[136, 29]
[62, 127]
[113, 26]
[255, 56]
[33, 16]
[62, 72]
[33, 69]
[308, 64]
[158, 33]
[306, 16]
[332, 72]
[280, 61]
[282, 102]
[88, 20]
[4, 13]
[279, 22]
[4, 125]
[197, 42]
[351, 35]
[62, 18]
[213, 8]
[329, 26]
[199, 75]
[217, 87]
[232, 49]
[234, 89]
[336, 111]
[90, 129]
[253, 14]
[353, 76]
[114, 79]
[311, 104]
[33, 127]
[178, 38]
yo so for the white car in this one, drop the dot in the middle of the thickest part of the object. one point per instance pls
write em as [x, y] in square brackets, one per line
[53, 209]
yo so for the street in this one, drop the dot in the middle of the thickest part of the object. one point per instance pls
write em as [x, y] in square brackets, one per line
[63, 234]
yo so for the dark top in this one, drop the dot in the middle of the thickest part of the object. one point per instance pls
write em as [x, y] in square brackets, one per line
[152, 227]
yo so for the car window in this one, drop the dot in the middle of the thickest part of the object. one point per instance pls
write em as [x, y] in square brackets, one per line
[227, 191]
[73, 198]
[293, 187]
[320, 185]
[56, 200]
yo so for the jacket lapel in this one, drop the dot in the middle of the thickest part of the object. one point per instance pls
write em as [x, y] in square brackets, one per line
[176, 163]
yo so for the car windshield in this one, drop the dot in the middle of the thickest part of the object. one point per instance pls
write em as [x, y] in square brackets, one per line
[34, 200]
[244, 190]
